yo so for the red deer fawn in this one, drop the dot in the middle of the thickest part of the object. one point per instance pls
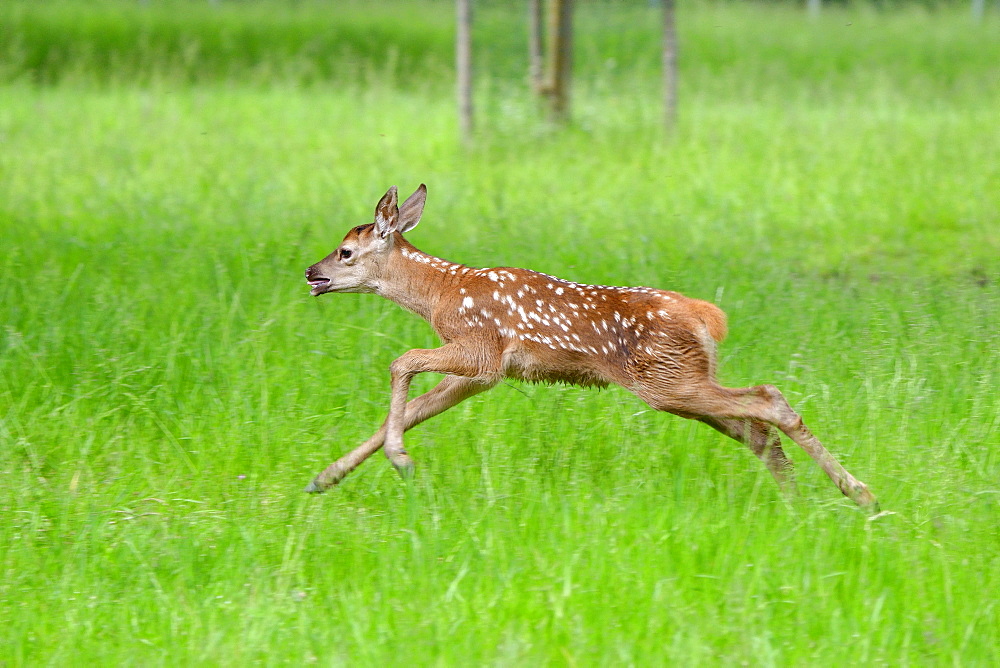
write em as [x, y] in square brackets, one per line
[515, 323]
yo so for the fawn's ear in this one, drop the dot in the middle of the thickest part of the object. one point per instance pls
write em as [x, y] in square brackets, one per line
[387, 214]
[411, 210]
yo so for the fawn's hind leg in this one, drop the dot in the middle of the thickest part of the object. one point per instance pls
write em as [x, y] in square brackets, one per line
[764, 441]
[763, 403]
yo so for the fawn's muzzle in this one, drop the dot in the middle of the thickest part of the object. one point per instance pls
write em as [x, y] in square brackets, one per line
[317, 281]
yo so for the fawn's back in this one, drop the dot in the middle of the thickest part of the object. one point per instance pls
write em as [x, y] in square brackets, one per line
[544, 328]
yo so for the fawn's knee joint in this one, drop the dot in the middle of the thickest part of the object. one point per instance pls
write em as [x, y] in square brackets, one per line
[772, 393]
[399, 366]
[783, 414]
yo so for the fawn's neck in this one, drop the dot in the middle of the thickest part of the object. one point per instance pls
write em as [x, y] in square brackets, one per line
[416, 281]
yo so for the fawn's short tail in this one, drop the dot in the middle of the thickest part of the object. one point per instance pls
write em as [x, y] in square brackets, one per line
[713, 317]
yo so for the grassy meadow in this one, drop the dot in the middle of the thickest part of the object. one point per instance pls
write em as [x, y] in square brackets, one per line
[168, 386]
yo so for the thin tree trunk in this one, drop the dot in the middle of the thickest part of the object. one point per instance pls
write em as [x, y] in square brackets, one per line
[560, 43]
[535, 46]
[813, 7]
[669, 65]
[551, 59]
[978, 6]
[463, 66]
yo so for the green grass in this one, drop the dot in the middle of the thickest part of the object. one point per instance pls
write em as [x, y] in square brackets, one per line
[167, 386]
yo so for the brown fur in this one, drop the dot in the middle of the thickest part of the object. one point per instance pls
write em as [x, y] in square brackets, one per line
[713, 317]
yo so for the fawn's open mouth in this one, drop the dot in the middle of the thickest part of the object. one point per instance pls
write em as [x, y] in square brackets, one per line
[319, 286]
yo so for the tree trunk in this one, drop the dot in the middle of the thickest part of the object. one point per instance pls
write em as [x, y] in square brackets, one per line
[669, 65]
[535, 46]
[977, 9]
[463, 67]
[813, 7]
[560, 40]
[551, 63]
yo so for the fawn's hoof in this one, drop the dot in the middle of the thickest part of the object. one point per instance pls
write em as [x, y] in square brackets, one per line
[404, 466]
[867, 501]
[314, 488]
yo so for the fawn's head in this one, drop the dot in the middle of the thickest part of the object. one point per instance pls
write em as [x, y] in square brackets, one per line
[359, 260]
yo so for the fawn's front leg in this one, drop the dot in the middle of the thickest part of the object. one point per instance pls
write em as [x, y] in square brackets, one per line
[450, 391]
[453, 359]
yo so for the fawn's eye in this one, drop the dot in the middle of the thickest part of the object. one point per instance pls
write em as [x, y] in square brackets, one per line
[345, 253]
